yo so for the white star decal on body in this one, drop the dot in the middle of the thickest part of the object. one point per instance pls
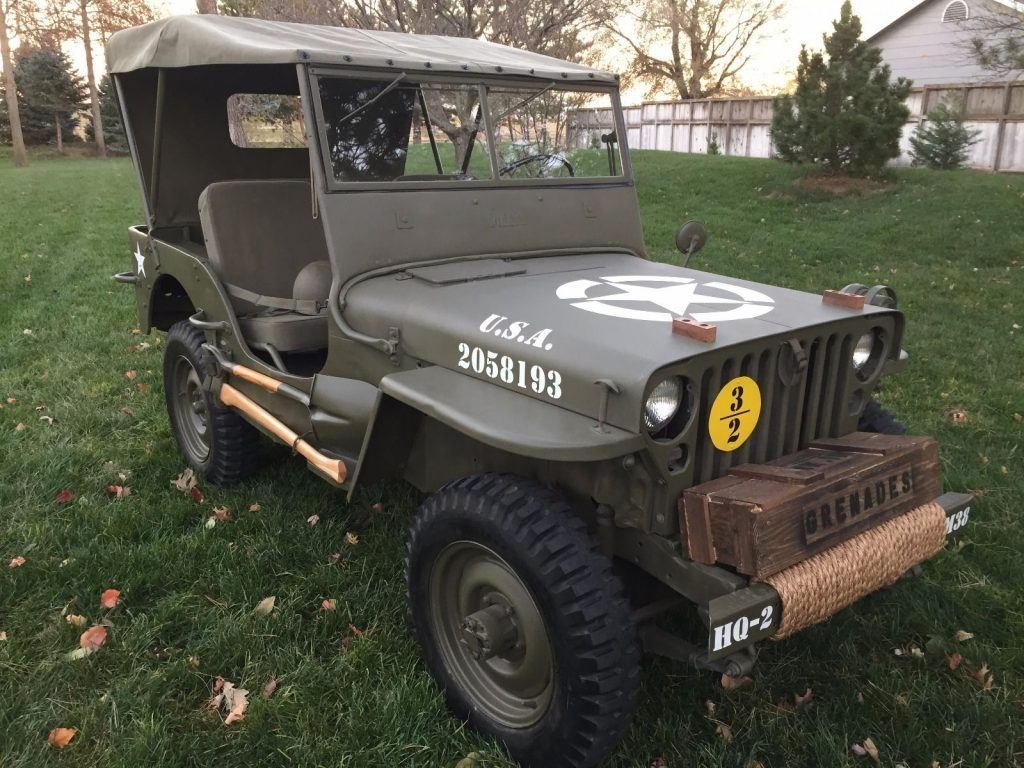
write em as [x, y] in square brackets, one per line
[675, 295]
[140, 259]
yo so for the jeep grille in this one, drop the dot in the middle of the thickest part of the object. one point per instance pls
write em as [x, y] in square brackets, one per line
[792, 415]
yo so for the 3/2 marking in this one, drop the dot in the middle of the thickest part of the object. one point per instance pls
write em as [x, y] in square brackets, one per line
[509, 370]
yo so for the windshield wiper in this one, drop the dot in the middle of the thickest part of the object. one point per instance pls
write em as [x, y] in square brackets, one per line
[523, 103]
[386, 90]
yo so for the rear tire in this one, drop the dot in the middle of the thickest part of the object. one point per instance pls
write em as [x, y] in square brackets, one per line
[522, 621]
[215, 441]
[877, 419]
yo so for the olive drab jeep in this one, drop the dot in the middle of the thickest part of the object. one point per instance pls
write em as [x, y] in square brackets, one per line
[411, 256]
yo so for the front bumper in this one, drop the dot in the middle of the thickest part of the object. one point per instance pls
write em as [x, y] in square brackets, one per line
[820, 586]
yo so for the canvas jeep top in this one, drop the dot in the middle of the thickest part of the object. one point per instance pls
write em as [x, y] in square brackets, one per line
[408, 256]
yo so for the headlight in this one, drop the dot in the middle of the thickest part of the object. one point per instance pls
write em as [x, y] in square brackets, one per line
[662, 404]
[868, 353]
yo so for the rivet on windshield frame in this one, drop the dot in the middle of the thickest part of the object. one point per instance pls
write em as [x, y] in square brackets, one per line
[427, 64]
[390, 62]
[499, 69]
[565, 74]
[532, 70]
[465, 66]
[590, 75]
[348, 58]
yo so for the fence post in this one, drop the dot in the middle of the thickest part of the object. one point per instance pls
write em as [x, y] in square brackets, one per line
[1001, 130]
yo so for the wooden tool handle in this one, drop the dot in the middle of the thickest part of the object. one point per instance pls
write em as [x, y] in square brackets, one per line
[332, 468]
[257, 378]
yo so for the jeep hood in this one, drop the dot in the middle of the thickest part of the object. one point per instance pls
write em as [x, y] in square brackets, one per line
[551, 327]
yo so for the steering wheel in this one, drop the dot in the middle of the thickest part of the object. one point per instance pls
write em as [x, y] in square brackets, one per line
[546, 159]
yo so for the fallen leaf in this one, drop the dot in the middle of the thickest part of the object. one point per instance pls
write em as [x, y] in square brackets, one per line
[801, 699]
[902, 699]
[119, 491]
[110, 598]
[957, 416]
[269, 688]
[28, 278]
[40, 408]
[193, 661]
[223, 514]
[236, 700]
[313, 519]
[954, 660]
[731, 683]
[351, 538]
[16, 562]
[210, 523]
[3, 635]
[916, 652]
[983, 677]
[127, 411]
[254, 507]
[265, 606]
[1003, 470]
[47, 420]
[1017, 417]
[962, 636]
[186, 481]
[858, 750]
[131, 375]
[61, 737]
[378, 507]
[12, 401]
[329, 605]
[333, 558]
[143, 387]
[218, 684]
[469, 761]
[860, 697]
[93, 638]
[65, 496]
[725, 732]
[710, 707]
[19, 427]
[197, 495]
[871, 749]
[659, 762]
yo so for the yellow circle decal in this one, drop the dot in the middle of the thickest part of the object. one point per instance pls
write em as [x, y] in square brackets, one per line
[734, 413]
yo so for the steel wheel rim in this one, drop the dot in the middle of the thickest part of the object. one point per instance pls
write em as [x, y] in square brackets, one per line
[514, 686]
[191, 412]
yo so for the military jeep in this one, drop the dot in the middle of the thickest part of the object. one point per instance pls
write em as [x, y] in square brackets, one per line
[414, 257]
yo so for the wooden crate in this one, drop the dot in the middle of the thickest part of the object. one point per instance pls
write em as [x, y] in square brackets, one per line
[762, 518]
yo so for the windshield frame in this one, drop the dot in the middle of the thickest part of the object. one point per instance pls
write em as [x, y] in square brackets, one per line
[483, 82]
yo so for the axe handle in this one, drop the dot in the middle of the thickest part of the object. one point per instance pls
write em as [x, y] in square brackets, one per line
[332, 468]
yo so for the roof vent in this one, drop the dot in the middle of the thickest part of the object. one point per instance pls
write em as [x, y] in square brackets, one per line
[956, 11]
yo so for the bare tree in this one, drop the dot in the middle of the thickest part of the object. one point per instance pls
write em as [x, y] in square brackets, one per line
[8, 20]
[997, 41]
[697, 46]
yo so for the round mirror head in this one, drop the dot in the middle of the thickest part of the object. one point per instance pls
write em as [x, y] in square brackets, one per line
[691, 237]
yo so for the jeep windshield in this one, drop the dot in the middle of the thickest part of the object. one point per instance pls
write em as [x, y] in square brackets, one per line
[396, 131]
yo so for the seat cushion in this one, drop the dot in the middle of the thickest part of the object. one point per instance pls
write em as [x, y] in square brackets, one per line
[286, 331]
[260, 234]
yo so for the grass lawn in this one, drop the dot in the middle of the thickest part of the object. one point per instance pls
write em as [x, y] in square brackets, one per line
[351, 689]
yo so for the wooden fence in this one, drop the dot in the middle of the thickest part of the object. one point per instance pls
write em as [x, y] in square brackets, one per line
[741, 126]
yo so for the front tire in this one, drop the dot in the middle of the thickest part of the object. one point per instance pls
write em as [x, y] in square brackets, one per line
[522, 621]
[215, 441]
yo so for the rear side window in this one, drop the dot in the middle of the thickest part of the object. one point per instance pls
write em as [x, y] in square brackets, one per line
[266, 121]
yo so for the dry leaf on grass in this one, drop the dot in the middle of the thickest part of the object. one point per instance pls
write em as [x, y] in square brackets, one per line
[93, 638]
[3, 635]
[962, 636]
[351, 538]
[725, 732]
[197, 495]
[954, 660]
[329, 605]
[313, 519]
[65, 496]
[221, 514]
[20, 427]
[801, 699]
[185, 482]
[61, 737]
[333, 558]
[254, 507]
[957, 416]
[75, 620]
[269, 688]
[659, 762]
[119, 491]
[265, 606]
[16, 562]
[47, 420]
[871, 749]
[130, 375]
[731, 683]
[983, 677]
[12, 401]
[710, 707]
[229, 699]
[378, 507]
[110, 598]
[469, 761]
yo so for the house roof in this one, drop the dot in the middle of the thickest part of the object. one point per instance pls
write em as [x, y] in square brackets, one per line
[1013, 5]
[187, 41]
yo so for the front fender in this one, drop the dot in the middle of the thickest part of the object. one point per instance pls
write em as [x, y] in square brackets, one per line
[485, 413]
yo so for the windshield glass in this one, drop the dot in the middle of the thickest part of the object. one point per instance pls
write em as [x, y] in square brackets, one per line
[402, 131]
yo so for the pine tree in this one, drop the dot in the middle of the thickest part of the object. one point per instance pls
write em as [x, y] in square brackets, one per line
[846, 115]
[51, 94]
[942, 141]
[113, 130]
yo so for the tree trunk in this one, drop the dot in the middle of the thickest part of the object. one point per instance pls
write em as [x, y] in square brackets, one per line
[206, 6]
[60, 133]
[94, 92]
[20, 157]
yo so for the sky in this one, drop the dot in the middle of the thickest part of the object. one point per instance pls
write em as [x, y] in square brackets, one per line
[773, 62]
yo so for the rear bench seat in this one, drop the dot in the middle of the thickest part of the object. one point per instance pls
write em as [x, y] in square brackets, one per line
[271, 255]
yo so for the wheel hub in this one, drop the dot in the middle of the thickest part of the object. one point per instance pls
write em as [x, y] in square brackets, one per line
[489, 632]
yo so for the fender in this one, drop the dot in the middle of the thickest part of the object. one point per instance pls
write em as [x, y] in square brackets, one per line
[484, 413]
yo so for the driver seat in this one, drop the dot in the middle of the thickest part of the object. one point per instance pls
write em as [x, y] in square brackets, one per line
[271, 255]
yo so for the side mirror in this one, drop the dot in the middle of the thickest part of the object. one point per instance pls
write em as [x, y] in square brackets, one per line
[690, 238]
